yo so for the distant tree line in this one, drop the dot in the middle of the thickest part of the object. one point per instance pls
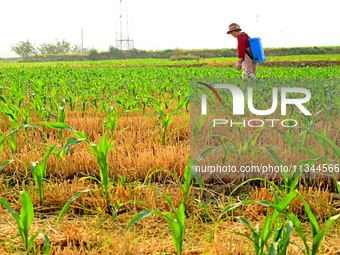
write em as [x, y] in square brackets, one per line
[196, 54]
[64, 51]
[26, 49]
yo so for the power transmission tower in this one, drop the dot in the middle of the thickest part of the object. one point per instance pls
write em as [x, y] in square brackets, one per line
[123, 39]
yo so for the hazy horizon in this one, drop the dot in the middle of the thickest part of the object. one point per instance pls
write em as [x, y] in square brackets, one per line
[159, 25]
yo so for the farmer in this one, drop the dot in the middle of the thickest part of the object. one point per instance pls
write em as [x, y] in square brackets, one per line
[243, 52]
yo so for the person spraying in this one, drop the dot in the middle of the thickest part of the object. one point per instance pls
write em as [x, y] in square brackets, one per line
[243, 52]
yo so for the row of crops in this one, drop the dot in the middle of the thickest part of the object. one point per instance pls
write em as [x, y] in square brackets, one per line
[101, 139]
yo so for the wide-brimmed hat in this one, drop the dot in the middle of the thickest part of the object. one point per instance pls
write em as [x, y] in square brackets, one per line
[234, 27]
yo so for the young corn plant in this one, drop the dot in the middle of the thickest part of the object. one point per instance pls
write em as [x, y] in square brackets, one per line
[12, 111]
[163, 121]
[163, 117]
[234, 147]
[61, 115]
[100, 151]
[290, 179]
[24, 221]
[176, 218]
[265, 240]
[143, 101]
[112, 117]
[317, 233]
[26, 114]
[39, 173]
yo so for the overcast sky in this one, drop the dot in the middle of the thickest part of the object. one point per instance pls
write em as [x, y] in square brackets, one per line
[165, 24]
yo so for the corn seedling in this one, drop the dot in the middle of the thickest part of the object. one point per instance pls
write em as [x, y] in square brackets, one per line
[24, 221]
[163, 121]
[39, 173]
[246, 147]
[317, 233]
[261, 237]
[72, 102]
[12, 112]
[143, 102]
[111, 121]
[163, 118]
[176, 219]
[100, 152]
[176, 223]
[291, 179]
[118, 205]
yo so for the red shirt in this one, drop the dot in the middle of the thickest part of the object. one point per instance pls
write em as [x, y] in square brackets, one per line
[242, 45]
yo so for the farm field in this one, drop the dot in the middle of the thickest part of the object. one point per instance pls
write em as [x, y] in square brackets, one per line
[93, 144]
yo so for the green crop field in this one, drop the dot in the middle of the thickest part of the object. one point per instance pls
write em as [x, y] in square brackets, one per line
[94, 159]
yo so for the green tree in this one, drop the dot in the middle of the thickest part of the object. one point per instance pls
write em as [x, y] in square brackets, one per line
[115, 52]
[24, 49]
[60, 47]
[63, 47]
[47, 49]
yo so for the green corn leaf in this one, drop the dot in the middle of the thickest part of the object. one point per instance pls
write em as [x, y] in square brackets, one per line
[273, 249]
[47, 244]
[256, 244]
[140, 216]
[57, 125]
[297, 224]
[313, 222]
[289, 231]
[187, 183]
[247, 223]
[332, 144]
[204, 154]
[180, 216]
[315, 155]
[26, 217]
[13, 143]
[68, 145]
[2, 166]
[169, 200]
[317, 239]
[275, 156]
[161, 171]
[68, 203]
[7, 206]
[44, 161]
[2, 139]
[234, 206]
[181, 103]
[266, 229]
